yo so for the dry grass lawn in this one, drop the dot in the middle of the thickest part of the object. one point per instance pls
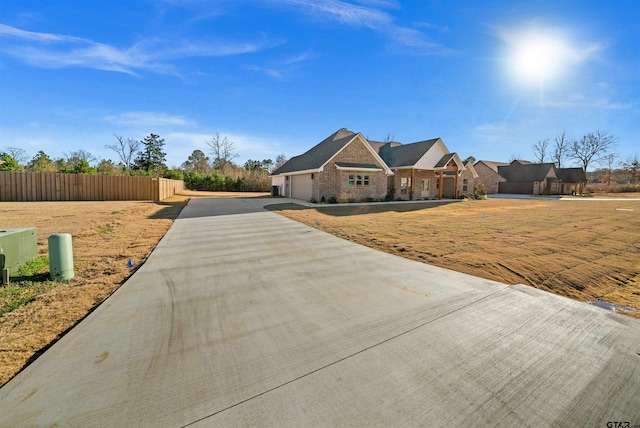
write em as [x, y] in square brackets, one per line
[583, 249]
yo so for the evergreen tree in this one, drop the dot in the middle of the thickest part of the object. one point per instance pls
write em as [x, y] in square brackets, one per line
[151, 158]
[41, 162]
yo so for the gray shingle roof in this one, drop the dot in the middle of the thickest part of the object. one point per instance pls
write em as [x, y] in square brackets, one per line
[318, 155]
[526, 172]
[491, 164]
[405, 155]
[445, 160]
[572, 175]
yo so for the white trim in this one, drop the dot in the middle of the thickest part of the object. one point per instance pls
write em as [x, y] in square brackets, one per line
[306, 171]
[349, 168]
[368, 146]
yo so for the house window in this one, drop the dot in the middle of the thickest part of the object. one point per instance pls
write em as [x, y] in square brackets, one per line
[366, 180]
[405, 182]
[358, 180]
[312, 175]
[437, 184]
[426, 185]
[352, 179]
[465, 184]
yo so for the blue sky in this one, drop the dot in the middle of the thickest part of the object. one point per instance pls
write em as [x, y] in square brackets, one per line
[490, 78]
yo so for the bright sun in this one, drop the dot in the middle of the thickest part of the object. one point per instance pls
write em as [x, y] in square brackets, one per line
[538, 58]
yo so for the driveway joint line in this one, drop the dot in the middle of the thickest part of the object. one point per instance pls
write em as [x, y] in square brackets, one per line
[346, 357]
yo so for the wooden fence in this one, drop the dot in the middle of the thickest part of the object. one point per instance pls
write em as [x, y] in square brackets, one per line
[36, 186]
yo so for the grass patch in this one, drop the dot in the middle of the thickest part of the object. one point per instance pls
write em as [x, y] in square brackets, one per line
[31, 280]
[105, 229]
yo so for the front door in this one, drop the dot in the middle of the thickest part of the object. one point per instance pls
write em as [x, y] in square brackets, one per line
[426, 189]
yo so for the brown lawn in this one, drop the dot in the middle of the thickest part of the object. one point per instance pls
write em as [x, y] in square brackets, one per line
[583, 249]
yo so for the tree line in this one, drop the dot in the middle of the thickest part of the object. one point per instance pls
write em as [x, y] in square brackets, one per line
[593, 148]
[147, 157]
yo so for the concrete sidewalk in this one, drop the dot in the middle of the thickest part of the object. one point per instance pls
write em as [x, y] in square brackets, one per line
[242, 317]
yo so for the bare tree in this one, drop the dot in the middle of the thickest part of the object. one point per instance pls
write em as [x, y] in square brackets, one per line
[609, 161]
[591, 148]
[223, 151]
[280, 160]
[540, 150]
[126, 148]
[560, 149]
[388, 138]
[80, 155]
[17, 153]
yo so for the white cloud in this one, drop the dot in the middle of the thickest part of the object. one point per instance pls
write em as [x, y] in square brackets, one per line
[405, 40]
[145, 119]
[59, 51]
[580, 101]
[493, 132]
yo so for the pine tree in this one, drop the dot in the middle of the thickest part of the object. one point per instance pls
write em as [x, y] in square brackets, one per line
[151, 158]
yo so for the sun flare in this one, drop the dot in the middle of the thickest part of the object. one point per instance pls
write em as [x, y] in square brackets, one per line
[538, 58]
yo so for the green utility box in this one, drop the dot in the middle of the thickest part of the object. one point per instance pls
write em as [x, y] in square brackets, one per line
[17, 246]
[60, 257]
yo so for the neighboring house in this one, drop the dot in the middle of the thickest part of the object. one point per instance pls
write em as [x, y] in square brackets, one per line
[343, 166]
[529, 179]
[346, 166]
[572, 180]
[523, 177]
[488, 174]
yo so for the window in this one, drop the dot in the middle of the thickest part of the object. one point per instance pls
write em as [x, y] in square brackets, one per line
[426, 185]
[465, 184]
[366, 180]
[312, 175]
[437, 184]
[405, 182]
[358, 180]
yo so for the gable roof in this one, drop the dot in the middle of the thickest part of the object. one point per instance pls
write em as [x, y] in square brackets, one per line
[572, 175]
[468, 165]
[317, 156]
[404, 155]
[525, 172]
[491, 165]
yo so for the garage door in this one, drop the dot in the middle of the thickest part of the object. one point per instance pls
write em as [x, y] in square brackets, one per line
[301, 186]
[518, 187]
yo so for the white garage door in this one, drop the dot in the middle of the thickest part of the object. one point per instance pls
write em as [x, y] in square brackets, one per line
[301, 186]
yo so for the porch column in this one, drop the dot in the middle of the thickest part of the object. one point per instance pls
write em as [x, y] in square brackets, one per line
[412, 186]
[440, 179]
[455, 191]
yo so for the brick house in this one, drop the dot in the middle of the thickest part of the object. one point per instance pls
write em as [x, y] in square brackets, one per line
[343, 166]
[346, 166]
[488, 174]
[523, 177]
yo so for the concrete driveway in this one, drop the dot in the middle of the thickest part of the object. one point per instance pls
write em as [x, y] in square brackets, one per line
[242, 317]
